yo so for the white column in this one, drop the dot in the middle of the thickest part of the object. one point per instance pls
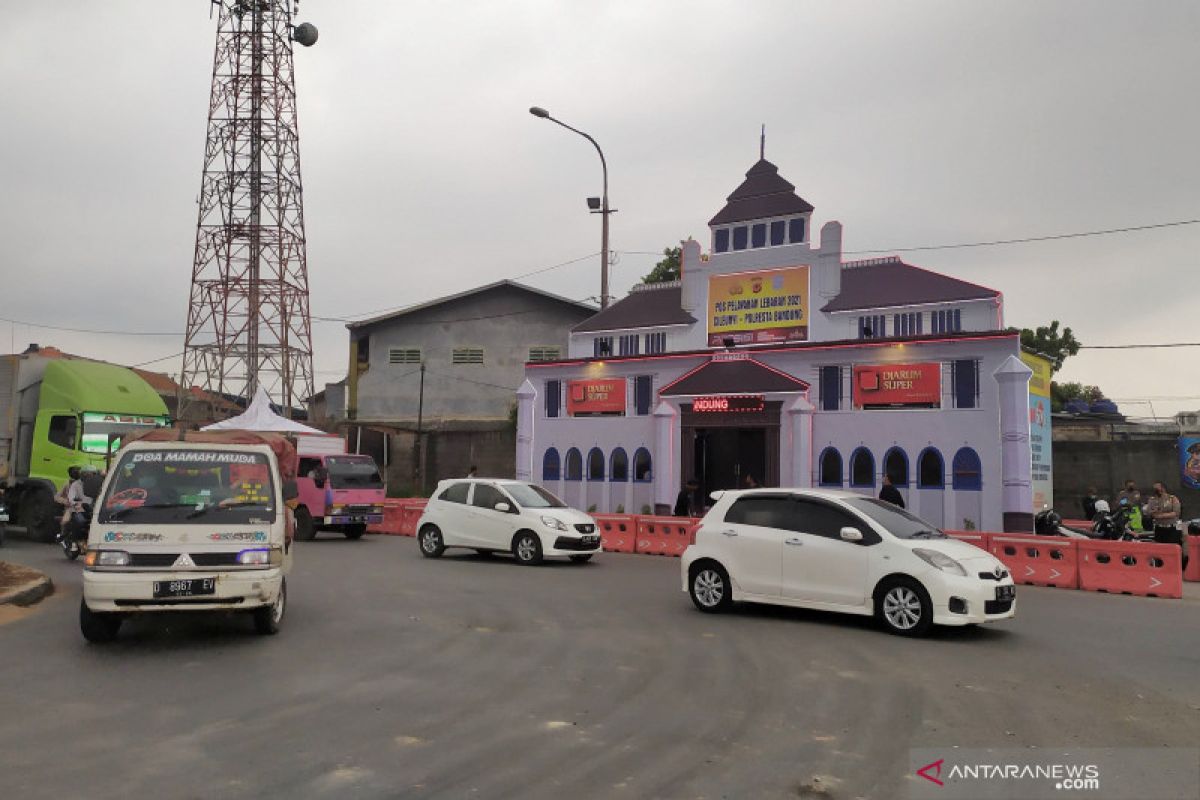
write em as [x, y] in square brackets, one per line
[795, 445]
[526, 395]
[665, 455]
[1016, 456]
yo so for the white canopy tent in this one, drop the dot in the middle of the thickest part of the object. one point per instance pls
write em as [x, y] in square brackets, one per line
[259, 417]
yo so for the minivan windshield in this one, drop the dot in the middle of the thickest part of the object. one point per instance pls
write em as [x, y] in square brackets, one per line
[353, 472]
[896, 520]
[180, 486]
[530, 496]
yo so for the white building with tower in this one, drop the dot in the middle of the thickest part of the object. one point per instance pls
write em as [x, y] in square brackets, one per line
[774, 360]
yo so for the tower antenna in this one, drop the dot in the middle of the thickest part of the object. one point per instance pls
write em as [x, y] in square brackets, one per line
[248, 319]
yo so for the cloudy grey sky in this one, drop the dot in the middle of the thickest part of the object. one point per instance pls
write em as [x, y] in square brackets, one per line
[912, 123]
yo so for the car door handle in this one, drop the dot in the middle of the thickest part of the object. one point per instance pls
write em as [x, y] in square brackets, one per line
[793, 541]
[729, 533]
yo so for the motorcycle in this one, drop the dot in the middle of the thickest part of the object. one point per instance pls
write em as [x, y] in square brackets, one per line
[3, 517]
[74, 535]
[1107, 525]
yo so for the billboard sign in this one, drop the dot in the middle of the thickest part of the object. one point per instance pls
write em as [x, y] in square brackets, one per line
[898, 385]
[1189, 461]
[759, 307]
[595, 397]
[1040, 443]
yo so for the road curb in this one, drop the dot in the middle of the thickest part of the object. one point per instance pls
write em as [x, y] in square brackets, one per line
[28, 593]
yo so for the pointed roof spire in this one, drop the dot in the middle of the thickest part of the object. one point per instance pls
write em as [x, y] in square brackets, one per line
[762, 144]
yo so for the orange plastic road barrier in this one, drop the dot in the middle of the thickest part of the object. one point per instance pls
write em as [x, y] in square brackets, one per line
[1192, 573]
[392, 515]
[1038, 560]
[618, 532]
[664, 536]
[1141, 568]
[976, 538]
[409, 515]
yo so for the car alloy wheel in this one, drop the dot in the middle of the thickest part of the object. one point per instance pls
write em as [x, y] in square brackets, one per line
[902, 607]
[708, 587]
[431, 542]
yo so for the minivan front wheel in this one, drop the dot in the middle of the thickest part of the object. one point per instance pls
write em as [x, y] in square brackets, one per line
[709, 588]
[269, 619]
[98, 627]
[904, 607]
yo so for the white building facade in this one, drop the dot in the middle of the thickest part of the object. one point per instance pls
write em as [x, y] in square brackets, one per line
[774, 362]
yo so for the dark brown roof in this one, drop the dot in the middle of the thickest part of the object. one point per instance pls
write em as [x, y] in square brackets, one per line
[743, 376]
[763, 194]
[502, 284]
[641, 308]
[884, 283]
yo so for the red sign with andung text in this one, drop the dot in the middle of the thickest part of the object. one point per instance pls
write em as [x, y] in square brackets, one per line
[898, 385]
[606, 396]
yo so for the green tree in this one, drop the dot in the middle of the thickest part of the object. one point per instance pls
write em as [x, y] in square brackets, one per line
[668, 268]
[1049, 342]
[1063, 393]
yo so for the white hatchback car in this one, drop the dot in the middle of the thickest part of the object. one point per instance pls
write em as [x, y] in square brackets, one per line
[840, 551]
[503, 515]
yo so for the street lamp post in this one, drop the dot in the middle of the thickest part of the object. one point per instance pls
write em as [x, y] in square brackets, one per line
[603, 211]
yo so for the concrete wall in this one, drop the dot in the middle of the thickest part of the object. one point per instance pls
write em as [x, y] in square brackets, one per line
[505, 322]
[1107, 464]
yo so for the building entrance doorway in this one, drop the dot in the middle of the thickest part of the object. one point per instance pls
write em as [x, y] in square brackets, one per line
[721, 449]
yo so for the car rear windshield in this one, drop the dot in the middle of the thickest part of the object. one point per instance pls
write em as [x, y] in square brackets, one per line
[896, 520]
[181, 486]
[530, 496]
[353, 472]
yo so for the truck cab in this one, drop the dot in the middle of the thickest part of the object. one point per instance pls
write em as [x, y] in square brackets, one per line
[195, 523]
[339, 492]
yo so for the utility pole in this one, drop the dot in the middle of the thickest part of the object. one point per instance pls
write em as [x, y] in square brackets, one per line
[418, 448]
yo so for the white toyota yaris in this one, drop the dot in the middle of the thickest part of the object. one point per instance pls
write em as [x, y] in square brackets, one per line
[840, 551]
[505, 516]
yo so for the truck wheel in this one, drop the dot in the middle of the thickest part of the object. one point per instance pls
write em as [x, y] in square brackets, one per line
[354, 531]
[269, 619]
[98, 628]
[38, 514]
[305, 531]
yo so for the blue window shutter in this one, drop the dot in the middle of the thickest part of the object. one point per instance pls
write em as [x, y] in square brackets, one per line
[957, 320]
[642, 394]
[758, 235]
[778, 231]
[796, 230]
[831, 388]
[739, 237]
[553, 397]
[965, 378]
[722, 240]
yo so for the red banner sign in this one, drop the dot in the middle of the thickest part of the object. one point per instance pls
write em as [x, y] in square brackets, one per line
[605, 396]
[898, 385]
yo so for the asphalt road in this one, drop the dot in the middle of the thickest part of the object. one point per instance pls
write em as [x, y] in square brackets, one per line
[470, 677]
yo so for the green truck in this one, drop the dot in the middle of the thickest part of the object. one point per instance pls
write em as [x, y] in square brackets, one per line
[61, 412]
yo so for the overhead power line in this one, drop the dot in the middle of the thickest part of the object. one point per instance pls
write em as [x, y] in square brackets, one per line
[1148, 345]
[91, 330]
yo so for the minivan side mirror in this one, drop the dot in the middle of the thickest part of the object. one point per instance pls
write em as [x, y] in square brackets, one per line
[849, 534]
[502, 506]
[290, 491]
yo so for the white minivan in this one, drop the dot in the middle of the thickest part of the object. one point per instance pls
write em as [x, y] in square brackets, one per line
[505, 516]
[189, 526]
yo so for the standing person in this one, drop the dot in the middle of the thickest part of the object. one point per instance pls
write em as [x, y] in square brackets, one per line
[1089, 504]
[473, 472]
[1130, 493]
[685, 503]
[1164, 511]
[890, 493]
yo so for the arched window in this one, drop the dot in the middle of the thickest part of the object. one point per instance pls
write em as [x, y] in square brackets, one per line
[641, 465]
[862, 468]
[620, 466]
[967, 471]
[931, 472]
[574, 465]
[550, 465]
[831, 467]
[895, 466]
[595, 464]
